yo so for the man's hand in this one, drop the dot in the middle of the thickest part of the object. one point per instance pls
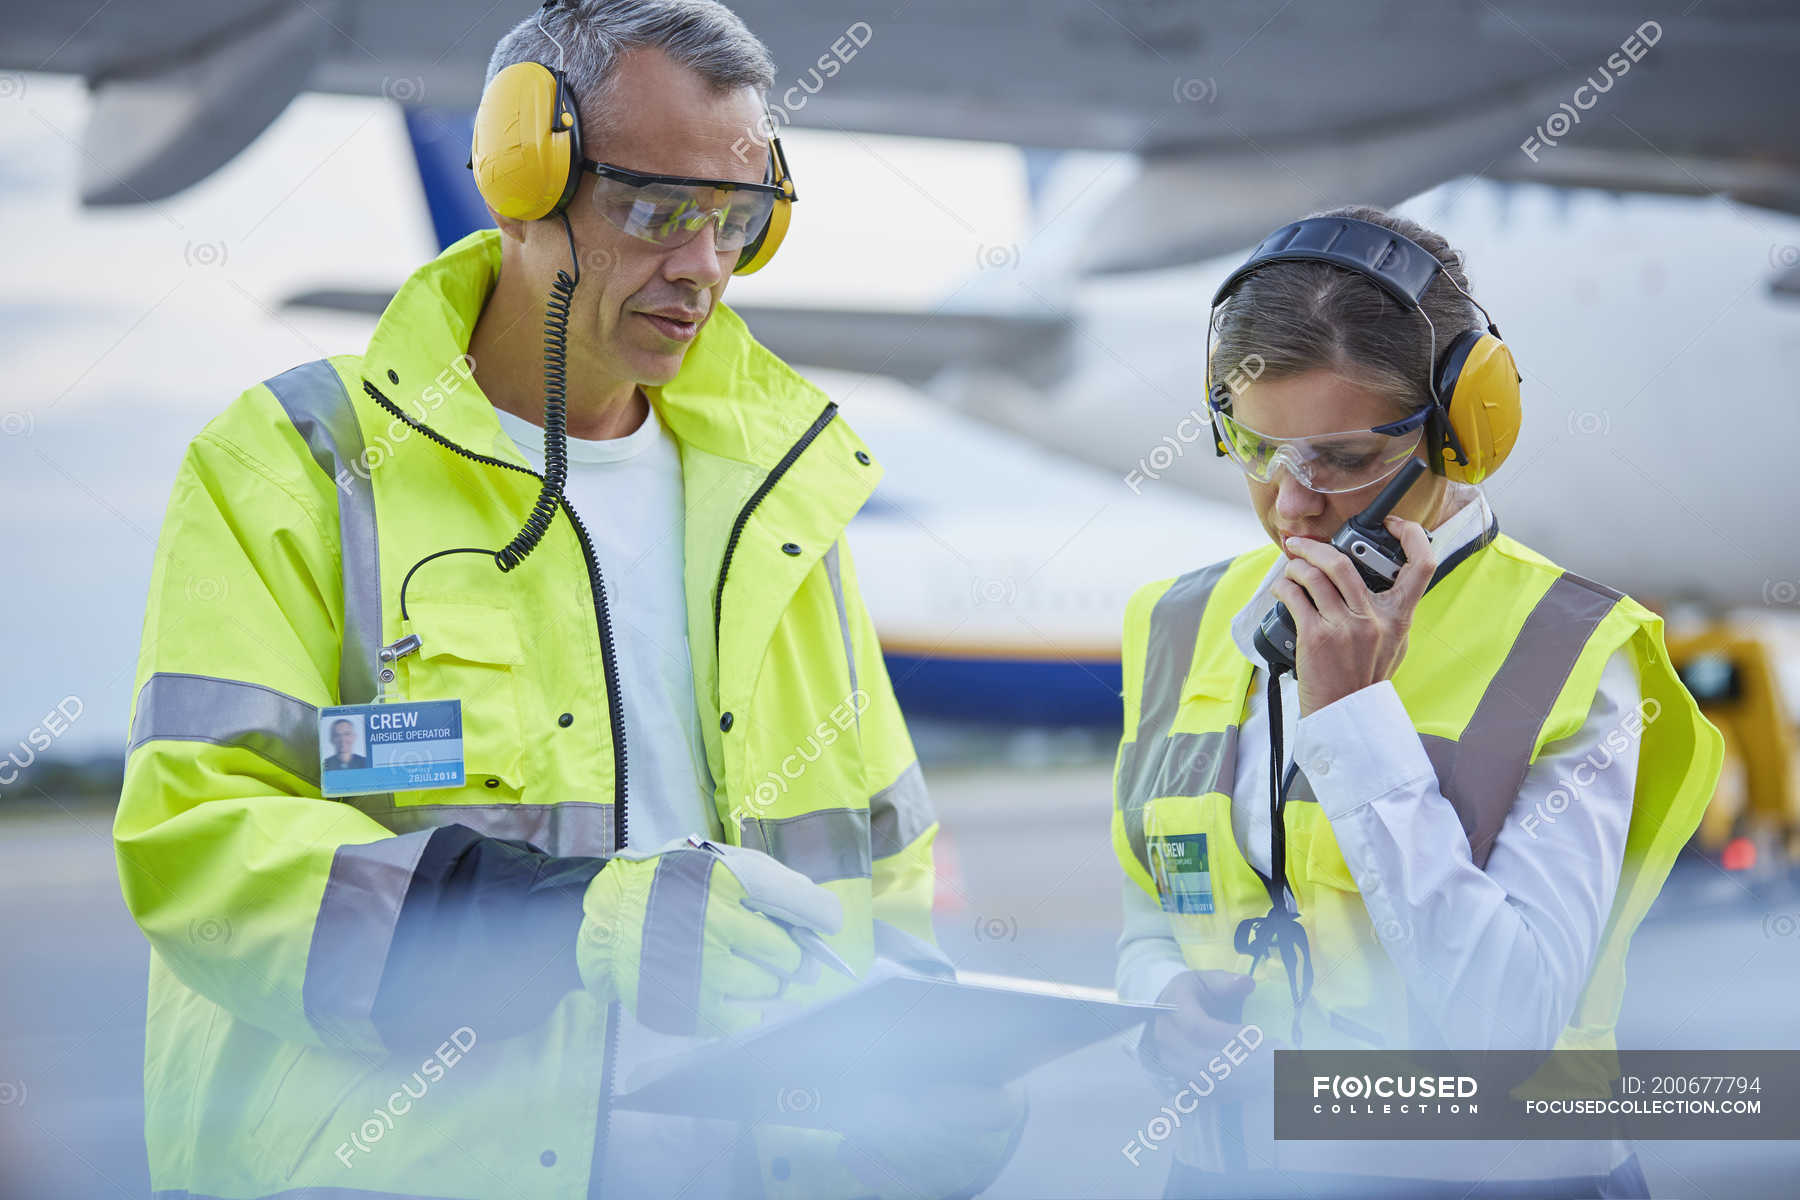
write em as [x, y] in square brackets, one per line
[1187, 1043]
[1349, 637]
[939, 1141]
[680, 939]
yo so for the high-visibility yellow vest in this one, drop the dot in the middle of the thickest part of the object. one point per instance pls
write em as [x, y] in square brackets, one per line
[294, 519]
[1504, 658]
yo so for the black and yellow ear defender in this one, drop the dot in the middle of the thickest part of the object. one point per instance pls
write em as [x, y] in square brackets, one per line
[1474, 383]
[526, 154]
[757, 253]
[526, 151]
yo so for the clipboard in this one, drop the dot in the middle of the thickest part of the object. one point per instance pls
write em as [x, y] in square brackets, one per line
[899, 1032]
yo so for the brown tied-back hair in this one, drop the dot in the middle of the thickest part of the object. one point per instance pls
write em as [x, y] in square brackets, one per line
[1301, 316]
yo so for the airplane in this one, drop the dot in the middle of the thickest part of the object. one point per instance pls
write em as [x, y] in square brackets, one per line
[1164, 139]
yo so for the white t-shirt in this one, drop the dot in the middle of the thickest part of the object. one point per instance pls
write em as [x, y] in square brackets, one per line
[628, 493]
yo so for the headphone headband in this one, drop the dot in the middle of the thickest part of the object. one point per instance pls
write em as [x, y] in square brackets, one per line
[1402, 267]
[1472, 379]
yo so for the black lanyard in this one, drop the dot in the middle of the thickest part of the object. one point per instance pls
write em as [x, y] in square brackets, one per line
[1279, 929]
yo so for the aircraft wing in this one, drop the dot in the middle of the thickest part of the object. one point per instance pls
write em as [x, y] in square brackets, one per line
[1314, 100]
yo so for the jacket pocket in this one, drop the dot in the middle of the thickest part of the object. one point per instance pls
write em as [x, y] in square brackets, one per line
[1204, 884]
[472, 653]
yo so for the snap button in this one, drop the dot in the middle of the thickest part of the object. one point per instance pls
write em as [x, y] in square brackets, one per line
[862, 456]
[725, 722]
[493, 783]
[393, 375]
[790, 548]
[566, 720]
[548, 1158]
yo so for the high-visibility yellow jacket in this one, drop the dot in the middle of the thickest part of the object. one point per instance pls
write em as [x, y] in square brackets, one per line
[318, 964]
[1505, 659]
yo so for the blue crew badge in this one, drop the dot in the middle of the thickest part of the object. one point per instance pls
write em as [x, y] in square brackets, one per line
[1183, 878]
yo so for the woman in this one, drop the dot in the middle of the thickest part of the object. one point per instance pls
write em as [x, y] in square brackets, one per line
[1447, 884]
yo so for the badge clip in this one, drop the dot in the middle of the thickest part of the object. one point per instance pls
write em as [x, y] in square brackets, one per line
[386, 657]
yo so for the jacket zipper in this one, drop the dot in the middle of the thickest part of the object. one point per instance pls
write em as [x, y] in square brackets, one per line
[756, 497]
[616, 714]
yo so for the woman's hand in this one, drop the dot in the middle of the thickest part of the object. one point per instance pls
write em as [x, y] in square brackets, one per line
[1350, 637]
[1190, 1043]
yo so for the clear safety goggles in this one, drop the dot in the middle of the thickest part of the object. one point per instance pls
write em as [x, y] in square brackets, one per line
[1322, 462]
[669, 210]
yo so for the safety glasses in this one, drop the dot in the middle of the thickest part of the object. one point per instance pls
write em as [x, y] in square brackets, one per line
[1322, 462]
[669, 210]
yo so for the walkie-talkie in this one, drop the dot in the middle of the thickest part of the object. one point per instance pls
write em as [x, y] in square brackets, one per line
[1367, 542]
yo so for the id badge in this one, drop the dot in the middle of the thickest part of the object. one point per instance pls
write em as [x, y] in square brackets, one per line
[1183, 878]
[391, 746]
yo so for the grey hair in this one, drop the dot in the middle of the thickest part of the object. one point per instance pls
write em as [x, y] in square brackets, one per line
[1299, 316]
[702, 35]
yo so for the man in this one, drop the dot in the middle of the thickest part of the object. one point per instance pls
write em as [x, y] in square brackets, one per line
[422, 993]
[343, 742]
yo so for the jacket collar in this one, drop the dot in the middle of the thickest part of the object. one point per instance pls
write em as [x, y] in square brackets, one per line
[732, 398]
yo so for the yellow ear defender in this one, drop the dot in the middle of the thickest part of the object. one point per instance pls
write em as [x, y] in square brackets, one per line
[1474, 383]
[526, 154]
[757, 253]
[526, 151]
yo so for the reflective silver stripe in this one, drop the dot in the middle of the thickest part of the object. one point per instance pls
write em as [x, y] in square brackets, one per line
[572, 828]
[832, 843]
[1168, 656]
[229, 712]
[899, 813]
[832, 572]
[673, 940]
[317, 403]
[1481, 772]
[351, 935]
[1194, 763]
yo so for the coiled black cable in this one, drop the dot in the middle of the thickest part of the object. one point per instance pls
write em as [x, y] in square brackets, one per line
[556, 382]
[556, 443]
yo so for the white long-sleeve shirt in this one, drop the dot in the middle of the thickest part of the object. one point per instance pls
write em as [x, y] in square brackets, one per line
[1497, 957]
